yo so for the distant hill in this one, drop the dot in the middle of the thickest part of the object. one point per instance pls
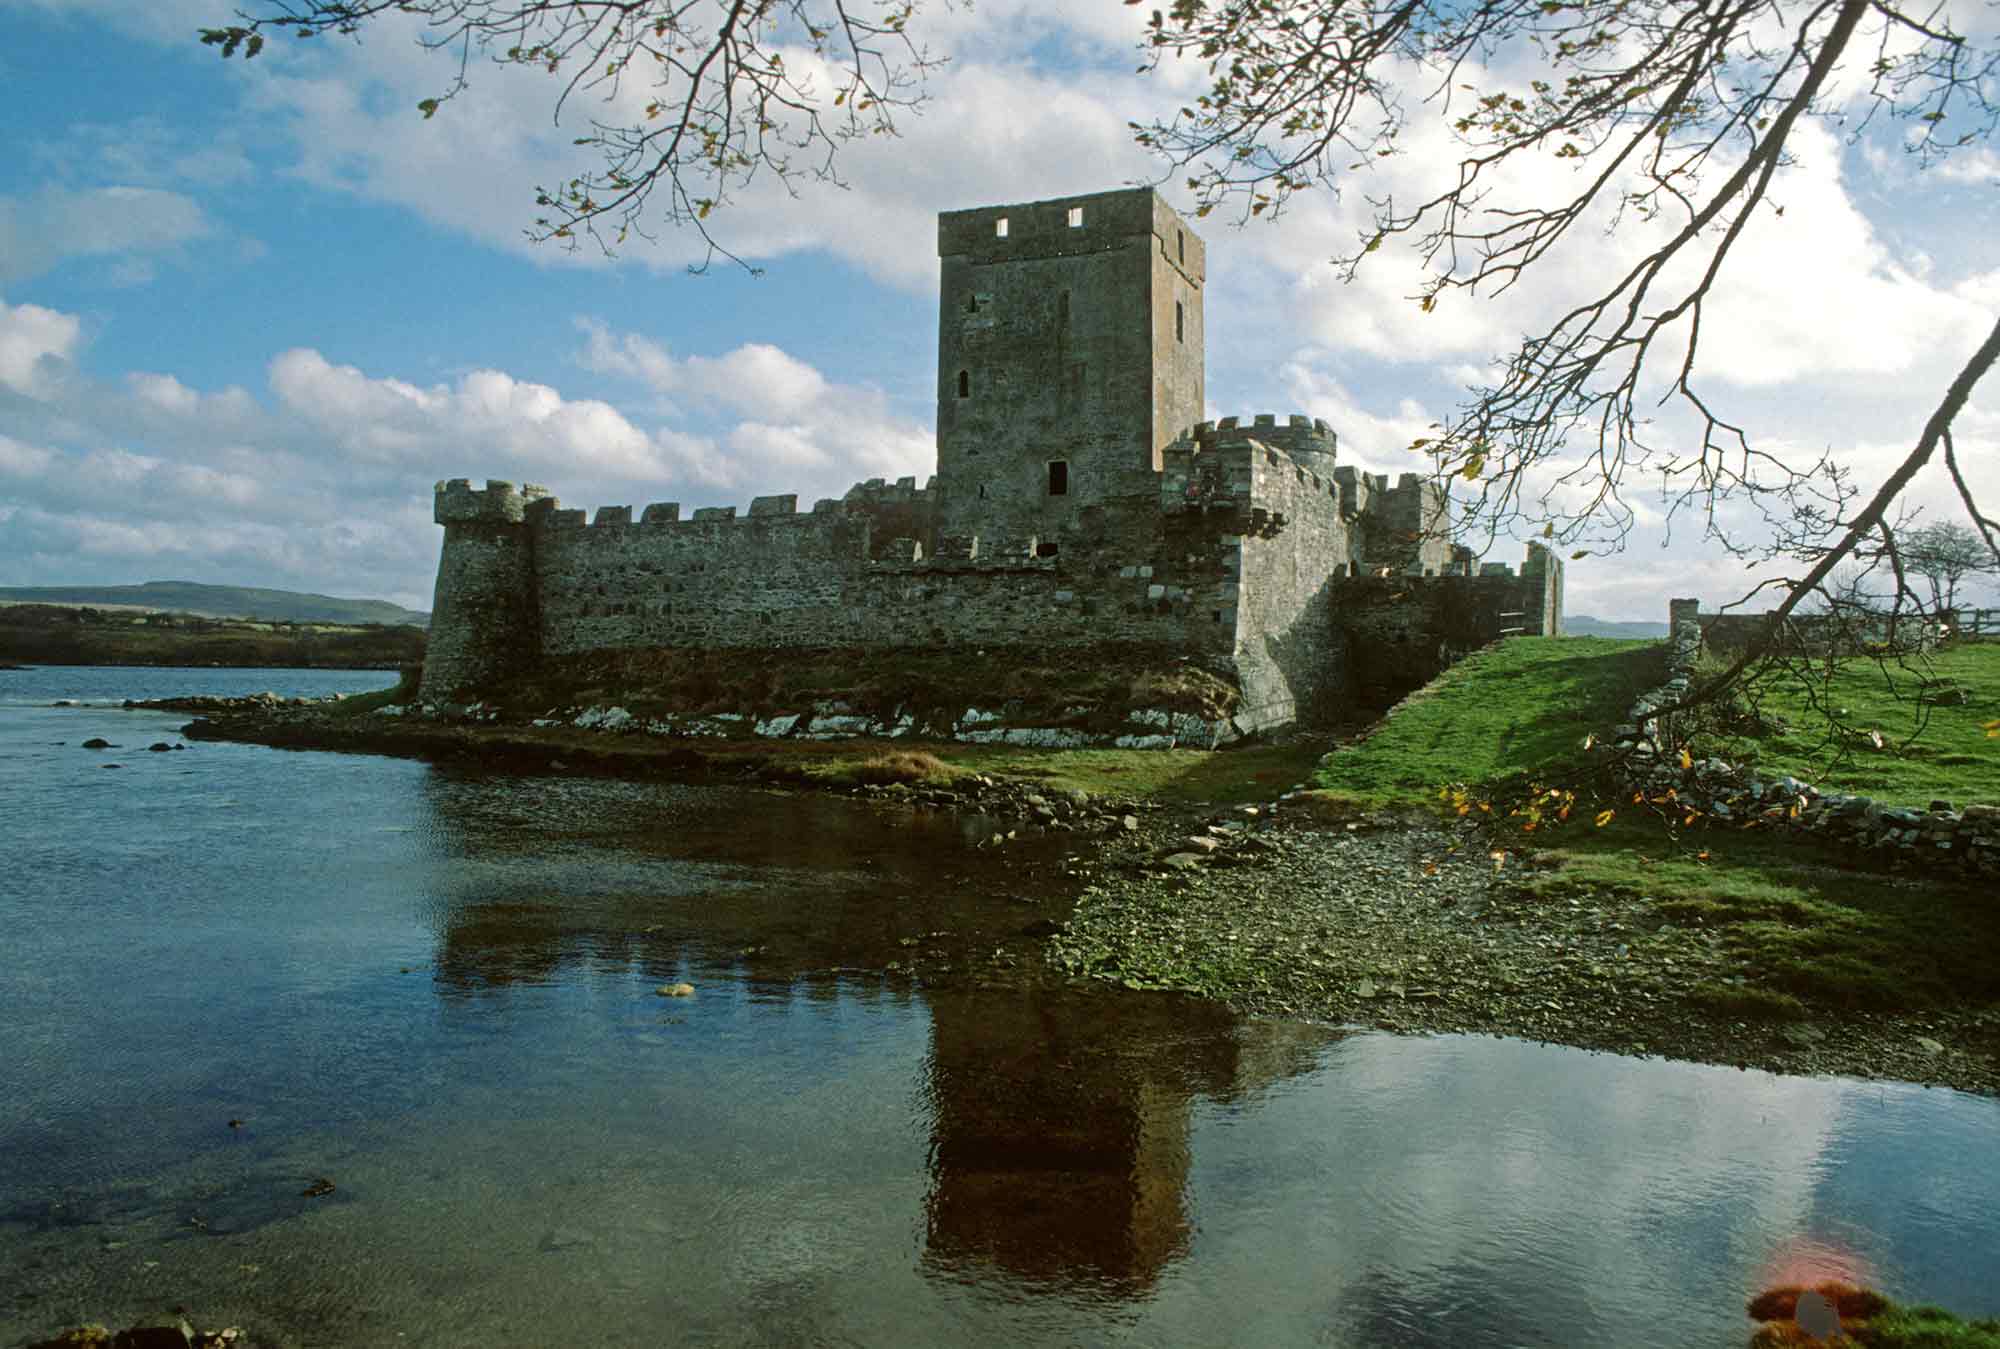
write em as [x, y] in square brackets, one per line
[1583, 625]
[189, 597]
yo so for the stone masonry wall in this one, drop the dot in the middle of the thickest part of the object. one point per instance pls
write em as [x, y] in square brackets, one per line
[778, 578]
[1288, 653]
[1966, 840]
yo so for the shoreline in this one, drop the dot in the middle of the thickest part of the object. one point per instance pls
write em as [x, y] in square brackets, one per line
[200, 665]
[1393, 921]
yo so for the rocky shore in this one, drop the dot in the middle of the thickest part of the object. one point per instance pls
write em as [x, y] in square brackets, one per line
[1413, 926]
[1403, 923]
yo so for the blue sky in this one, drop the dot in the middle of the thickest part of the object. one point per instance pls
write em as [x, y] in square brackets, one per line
[249, 312]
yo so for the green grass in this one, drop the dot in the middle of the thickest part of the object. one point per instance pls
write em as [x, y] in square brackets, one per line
[1951, 757]
[1223, 777]
[1799, 930]
[1867, 1319]
[1796, 928]
[1927, 1328]
[1519, 709]
[403, 691]
[1182, 776]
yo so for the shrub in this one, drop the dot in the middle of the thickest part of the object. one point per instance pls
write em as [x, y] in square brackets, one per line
[902, 766]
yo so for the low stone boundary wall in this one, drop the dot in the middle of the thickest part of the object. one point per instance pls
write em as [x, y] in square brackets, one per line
[1649, 750]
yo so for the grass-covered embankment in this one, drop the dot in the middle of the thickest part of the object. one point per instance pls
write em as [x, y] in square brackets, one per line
[1645, 931]
[1169, 777]
[1516, 710]
[1932, 713]
[1787, 928]
[40, 634]
[1095, 688]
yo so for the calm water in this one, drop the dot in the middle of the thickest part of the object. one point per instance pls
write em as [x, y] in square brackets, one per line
[436, 988]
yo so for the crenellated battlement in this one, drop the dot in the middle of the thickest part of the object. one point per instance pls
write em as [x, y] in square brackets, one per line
[904, 491]
[1227, 471]
[457, 502]
[1307, 439]
[501, 503]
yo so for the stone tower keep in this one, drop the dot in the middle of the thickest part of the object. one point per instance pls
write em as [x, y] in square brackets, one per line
[1082, 504]
[1069, 358]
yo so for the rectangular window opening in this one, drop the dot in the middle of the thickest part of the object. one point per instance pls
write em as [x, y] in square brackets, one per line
[965, 384]
[1180, 321]
[1180, 242]
[1045, 550]
[972, 303]
[1076, 217]
[1000, 228]
[1058, 477]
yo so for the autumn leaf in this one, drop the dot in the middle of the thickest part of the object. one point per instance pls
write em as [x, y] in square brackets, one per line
[1604, 817]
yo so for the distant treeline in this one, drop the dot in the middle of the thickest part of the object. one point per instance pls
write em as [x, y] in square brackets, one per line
[46, 634]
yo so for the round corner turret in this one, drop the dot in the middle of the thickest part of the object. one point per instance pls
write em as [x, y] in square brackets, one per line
[483, 614]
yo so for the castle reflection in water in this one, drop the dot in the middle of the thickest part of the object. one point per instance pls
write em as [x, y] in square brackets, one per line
[1058, 1117]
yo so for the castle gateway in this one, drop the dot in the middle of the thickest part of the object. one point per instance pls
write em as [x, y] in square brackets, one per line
[1080, 500]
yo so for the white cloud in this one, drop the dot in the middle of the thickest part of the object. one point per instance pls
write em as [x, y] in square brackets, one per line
[488, 412]
[33, 342]
[1374, 440]
[21, 460]
[53, 225]
[158, 393]
[795, 419]
[993, 126]
[145, 152]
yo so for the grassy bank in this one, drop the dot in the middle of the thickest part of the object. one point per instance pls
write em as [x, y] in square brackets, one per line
[1786, 930]
[1171, 777]
[1868, 1319]
[1174, 777]
[1516, 710]
[41, 634]
[1932, 744]
[1783, 929]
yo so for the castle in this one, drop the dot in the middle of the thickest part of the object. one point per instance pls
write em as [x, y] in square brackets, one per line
[1079, 499]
